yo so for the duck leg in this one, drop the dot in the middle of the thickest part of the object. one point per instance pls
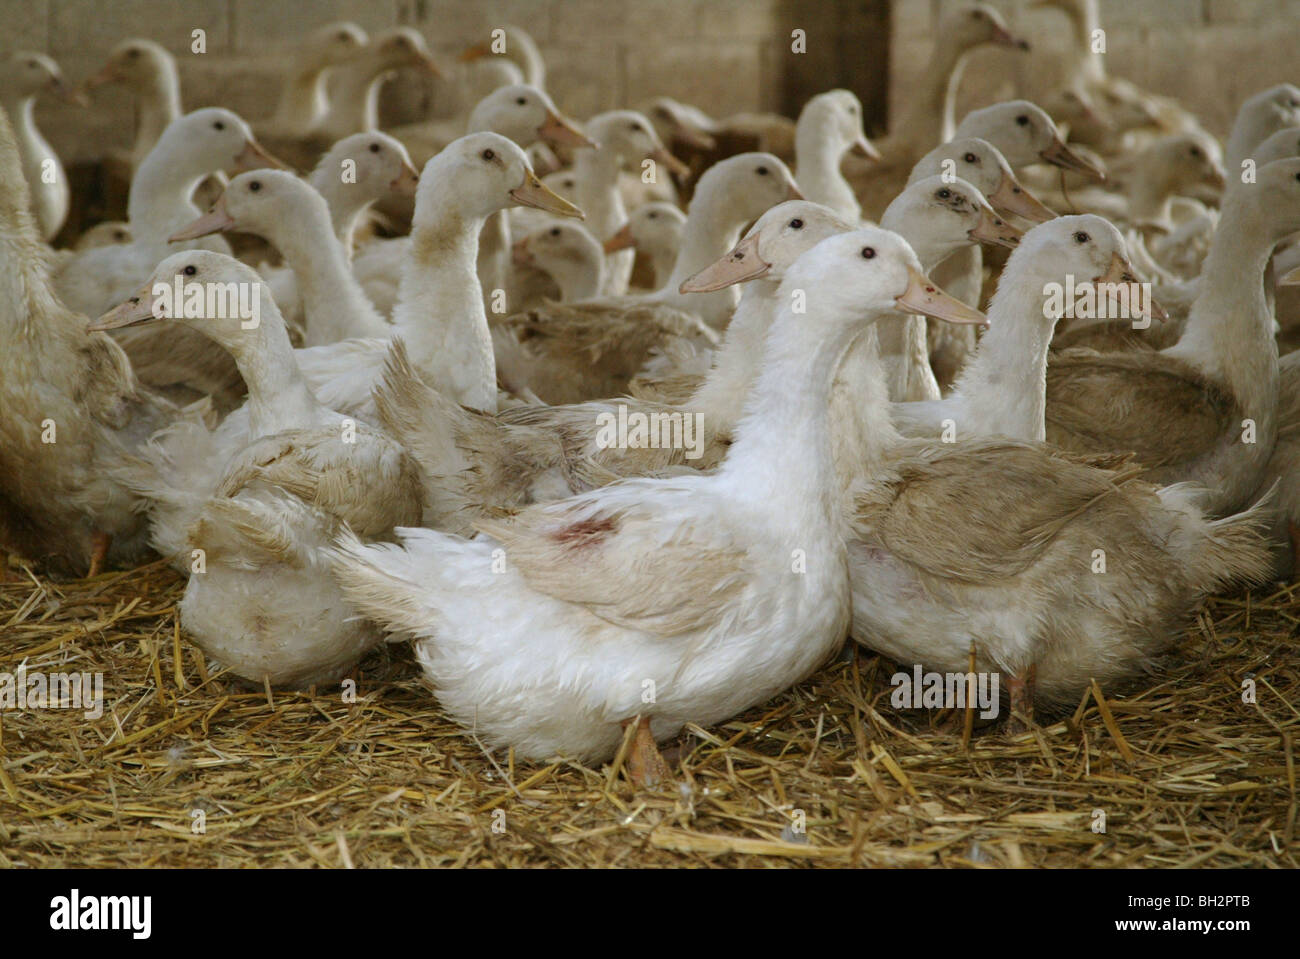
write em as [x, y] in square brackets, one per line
[645, 763]
[99, 544]
[1021, 689]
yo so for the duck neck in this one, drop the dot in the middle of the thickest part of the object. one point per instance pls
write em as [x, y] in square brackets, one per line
[1083, 62]
[818, 158]
[712, 228]
[1229, 331]
[355, 107]
[781, 455]
[577, 279]
[439, 311]
[721, 397]
[1151, 193]
[303, 99]
[278, 395]
[160, 196]
[597, 191]
[346, 201]
[334, 304]
[1004, 386]
[929, 118]
[158, 103]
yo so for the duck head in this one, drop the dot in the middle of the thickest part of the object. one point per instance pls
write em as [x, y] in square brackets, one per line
[982, 165]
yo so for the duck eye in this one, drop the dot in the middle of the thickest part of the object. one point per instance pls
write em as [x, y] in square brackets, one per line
[255, 186]
[133, 53]
[796, 224]
[374, 148]
[868, 253]
[652, 216]
[1196, 151]
[489, 155]
[218, 125]
[555, 231]
[762, 171]
[944, 193]
[635, 127]
[1297, 176]
[1023, 120]
[190, 270]
[1081, 237]
[971, 158]
[520, 100]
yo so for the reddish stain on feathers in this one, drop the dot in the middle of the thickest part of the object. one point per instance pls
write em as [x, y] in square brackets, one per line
[588, 532]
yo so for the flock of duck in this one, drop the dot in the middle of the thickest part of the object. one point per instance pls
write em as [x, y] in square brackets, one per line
[343, 438]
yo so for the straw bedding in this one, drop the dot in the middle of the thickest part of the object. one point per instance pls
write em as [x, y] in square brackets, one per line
[188, 767]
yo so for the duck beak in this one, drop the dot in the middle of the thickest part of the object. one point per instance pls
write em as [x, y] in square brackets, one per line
[1005, 38]
[558, 131]
[520, 254]
[255, 157]
[622, 240]
[1291, 278]
[477, 52]
[1058, 154]
[138, 309]
[407, 180]
[1121, 273]
[674, 165]
[533, 192]
[741, 264]
[693, 137]
[426, 65]
[69, 94]
[924, 296]
[991, 228]
[793, 193]
[107, 74]
[216, 220]
[1011, 198]
[1216, 179]
[862, 147]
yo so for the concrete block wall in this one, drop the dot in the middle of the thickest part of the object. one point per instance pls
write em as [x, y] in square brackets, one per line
[725, 55]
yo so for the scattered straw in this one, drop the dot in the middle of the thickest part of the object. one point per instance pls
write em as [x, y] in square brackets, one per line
[187, 767]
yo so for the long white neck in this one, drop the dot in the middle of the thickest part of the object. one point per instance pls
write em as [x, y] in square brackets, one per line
[712, 228]
[817, 162]
[721, 397]
[334, 303]
[439, 311]
[780, 459]
[303, 98]
[1150, 193]
[929, 118]
[1229, 331]
[346, 201]
[160, 198]
[596, 189]
[158, 104]
[1082, 62]
[1003, 387]
[577, 279]
[278, 395]
[355, 106]
[862, 431]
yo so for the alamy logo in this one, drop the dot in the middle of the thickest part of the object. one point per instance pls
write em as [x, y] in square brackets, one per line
[74, 912]
[659, 429]
[208, 301]
[1099, 301]
[36, 690]
[921, 690]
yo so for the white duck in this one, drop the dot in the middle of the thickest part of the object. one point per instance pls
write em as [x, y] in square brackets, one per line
[569, 254]
[295, 219]
[69, 408]
[304, 97]
[654, 230]
[572, 352]
[354, 94]
[515, 45]
[440, 314]
[623, 137]
[1002, 390]
[258, 599]
[1204, 409]
[684, 585]
[830, 125]
[149, 73]
[23, 77]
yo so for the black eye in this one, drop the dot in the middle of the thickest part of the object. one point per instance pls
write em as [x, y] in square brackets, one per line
[521, 101]
[190, 270]
[635, 128]
[652, 216]
[662, 112]
[1081, 237]
[133, 53]
[345, 36]
[255, 186]
[1297, 176]
[796, 224]
[374, 148]
[971, 158]
[1023, 120]
[218, 125]
[944, 193]
[868, 253]
[489, 155]
[762, 171]
[1196, 151]
[555, 231]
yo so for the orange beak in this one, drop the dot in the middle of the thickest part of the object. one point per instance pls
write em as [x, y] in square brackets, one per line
[741, 264]
[924, 296]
